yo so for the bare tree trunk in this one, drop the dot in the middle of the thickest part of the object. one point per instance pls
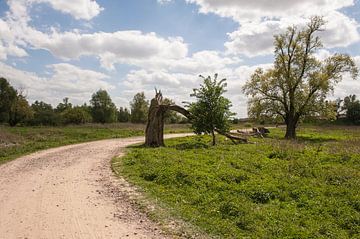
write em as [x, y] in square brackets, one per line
[290, 128]
[213, 138]
[154, 133]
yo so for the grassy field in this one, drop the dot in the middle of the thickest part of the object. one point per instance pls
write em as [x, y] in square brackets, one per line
[18, 141]
[272, 188]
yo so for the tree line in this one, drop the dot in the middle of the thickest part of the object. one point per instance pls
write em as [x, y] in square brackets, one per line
[15, 109]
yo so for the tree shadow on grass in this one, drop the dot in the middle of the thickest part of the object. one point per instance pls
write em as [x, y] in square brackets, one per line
[179, 146]
[315, 139]
[190, 145]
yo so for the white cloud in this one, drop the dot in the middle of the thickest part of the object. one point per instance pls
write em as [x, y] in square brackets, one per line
[259, 21]
[256, 38]
[8, 44]
[65, 80]
[244, 10]
[111, 48]
[348, 86]
[164, 1]
[79, 9]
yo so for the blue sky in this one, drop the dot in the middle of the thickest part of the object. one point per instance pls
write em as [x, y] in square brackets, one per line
[53, 49]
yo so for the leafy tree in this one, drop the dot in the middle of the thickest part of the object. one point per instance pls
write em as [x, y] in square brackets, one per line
[44, 114]
[298, 82]
[20, 111]
[61, 107]
[7, 96]
[352, 108]
[124, 115]
[139, 108]
[211, 111]
[76, 115]
[103, 110]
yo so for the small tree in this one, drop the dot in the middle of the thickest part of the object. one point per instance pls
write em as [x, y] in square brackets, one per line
[298, 83]
[61, 107]
[123, 115]
[76, 115]
[103, 110]
[7, 97]
[211, 111]
[20, 111]
[139, 108]
[352, 108]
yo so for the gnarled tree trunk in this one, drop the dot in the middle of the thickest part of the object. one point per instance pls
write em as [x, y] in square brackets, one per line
[154, 133]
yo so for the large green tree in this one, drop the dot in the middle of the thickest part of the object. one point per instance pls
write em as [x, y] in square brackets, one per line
[103, 110]
[211, 110]
[298, 82]
[7, 96]
[139, 108]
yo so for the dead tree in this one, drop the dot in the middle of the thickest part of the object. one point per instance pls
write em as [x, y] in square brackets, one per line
[154, 132]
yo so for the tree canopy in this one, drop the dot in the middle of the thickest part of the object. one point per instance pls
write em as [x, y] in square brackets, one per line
[139, 108]
[7, 96]
[211, 110]
[298, 82]
[103, 110]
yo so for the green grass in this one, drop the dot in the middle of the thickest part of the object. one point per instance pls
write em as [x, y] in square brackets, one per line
[18, 141]
[308, 188]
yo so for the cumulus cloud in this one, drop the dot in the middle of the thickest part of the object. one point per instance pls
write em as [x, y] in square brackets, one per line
[260, 20]
[79, 9]
[244, 10]
[65, 80]
[164, 1]
[111, 48]
[127, 47]
[348, 86]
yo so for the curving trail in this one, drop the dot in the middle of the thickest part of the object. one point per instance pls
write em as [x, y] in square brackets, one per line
[70, 192]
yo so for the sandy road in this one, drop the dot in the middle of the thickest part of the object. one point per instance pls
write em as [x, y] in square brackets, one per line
[70, 192]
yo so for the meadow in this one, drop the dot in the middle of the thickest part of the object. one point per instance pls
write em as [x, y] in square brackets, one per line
[269, 188]
[17, 141]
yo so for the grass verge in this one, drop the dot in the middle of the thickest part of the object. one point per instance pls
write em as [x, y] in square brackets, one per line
[18, 141]
[308, 188]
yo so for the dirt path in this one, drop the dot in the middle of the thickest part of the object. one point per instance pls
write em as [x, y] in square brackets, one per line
[70, 192]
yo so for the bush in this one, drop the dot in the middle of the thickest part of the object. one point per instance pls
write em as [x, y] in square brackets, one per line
[76, 115]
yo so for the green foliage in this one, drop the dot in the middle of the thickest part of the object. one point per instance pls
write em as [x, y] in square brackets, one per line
[270, 189]
[139, 108]
[352, 108]
[211, 111]
[61, 107]
[298, 83]
[20, 111]
[7, 97]
[103, 110]
[44, 114]
[124, 115]
[76, 115]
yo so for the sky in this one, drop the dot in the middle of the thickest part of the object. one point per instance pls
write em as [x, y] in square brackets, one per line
[52, 49]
